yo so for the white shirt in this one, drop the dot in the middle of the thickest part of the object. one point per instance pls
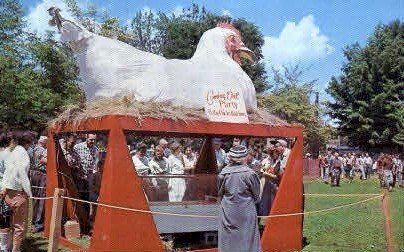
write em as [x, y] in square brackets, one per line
[284, 158]
[175, 165]
[368, 160]
[3, 155]
[140, 167]
[189, 162]
[158, 167]
[360, 162]
[16, 173]
[266, 162]
[221, 158]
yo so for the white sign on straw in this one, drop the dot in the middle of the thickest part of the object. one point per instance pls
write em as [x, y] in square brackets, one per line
[225, 105]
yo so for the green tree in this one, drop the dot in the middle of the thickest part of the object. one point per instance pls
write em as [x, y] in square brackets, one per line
[290, 99]
[11, 26]
[89, 17]
[369, 95]
[179, 35]
[143, 32]
[38, 75]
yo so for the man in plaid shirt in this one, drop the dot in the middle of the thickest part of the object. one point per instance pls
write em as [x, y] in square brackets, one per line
[87, 154]
[88, 175]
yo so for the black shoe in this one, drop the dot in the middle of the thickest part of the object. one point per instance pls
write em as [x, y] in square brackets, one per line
[305, 241]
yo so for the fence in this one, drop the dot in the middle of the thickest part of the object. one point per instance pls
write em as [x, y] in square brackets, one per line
[311, 168]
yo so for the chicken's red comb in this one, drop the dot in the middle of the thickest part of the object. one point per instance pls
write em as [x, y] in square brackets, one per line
[228, 25]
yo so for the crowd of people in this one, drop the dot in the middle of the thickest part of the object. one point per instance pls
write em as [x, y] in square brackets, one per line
[23, 162]
[388, 167]
[178, 156]
[84, 155]
[173, 158]
[166, 162]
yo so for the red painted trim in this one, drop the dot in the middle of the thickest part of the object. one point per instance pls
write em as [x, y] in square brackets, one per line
[196, 127]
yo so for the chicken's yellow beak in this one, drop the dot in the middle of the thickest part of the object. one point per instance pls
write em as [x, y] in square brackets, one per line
[246, 53]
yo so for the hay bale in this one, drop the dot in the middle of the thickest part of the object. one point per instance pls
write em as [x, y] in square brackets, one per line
[128, 106]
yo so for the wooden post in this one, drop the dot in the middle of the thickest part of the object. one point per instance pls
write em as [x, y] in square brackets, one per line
[56, 220]
[391, 245]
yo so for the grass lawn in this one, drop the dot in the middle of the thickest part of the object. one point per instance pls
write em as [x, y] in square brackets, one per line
[35, 242]
[355, 228]
[397, 217]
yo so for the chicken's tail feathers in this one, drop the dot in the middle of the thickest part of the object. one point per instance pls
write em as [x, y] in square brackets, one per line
[57, 19]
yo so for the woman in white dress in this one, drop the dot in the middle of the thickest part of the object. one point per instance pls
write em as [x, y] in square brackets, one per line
[176, 186]
[159, 166]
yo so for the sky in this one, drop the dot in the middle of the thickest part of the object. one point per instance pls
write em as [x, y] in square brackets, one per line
[311, 33]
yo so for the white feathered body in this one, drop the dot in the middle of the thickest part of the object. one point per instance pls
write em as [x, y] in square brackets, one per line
[111, 68]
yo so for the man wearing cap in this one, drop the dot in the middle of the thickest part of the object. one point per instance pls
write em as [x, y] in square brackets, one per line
[282, 146]
[38, 182]
[220, 153]
[239, 189]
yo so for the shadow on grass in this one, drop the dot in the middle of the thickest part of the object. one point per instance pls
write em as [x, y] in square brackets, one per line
[34, 243]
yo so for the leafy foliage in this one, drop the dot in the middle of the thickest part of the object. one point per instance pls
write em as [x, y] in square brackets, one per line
[38, 75]
[143, 32]
[369, 95]
[291, 100]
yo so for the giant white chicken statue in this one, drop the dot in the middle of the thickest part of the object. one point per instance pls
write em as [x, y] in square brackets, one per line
[110, 68]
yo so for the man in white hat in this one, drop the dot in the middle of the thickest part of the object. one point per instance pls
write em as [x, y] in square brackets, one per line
[239, 189]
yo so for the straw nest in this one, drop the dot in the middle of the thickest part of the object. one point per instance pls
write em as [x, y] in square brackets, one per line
[128, 106]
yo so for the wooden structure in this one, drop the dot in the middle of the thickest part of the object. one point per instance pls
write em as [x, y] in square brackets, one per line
[119, 230]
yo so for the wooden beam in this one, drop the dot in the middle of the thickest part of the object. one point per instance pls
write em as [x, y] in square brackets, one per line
[56, 220]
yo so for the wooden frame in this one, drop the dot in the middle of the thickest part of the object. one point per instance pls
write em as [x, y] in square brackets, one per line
[117, 230]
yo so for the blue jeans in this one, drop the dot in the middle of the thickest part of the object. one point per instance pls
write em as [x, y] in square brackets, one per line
[325, 171]
[348, 171]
